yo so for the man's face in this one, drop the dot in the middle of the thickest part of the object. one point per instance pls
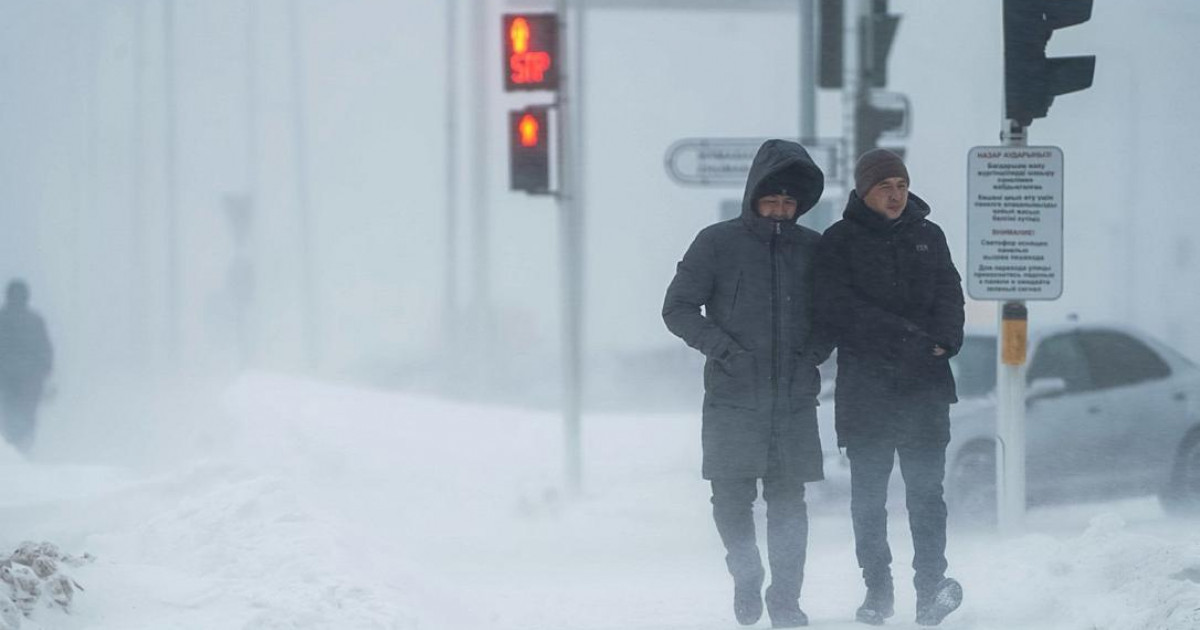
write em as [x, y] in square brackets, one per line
[777, 207]
[889, 197]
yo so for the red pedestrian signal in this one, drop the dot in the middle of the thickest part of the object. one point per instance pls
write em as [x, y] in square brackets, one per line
[530, 51]
[528, 130]
[529, 151]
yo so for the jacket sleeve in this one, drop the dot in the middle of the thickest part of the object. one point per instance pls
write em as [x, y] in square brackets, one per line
[948, 312]
[841, 311]
[692, 287]
[820, 343]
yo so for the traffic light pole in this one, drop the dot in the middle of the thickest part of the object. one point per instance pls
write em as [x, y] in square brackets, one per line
[852, 83]
[807, 40]
[568, 106]
[1010, 395]
[451, 313]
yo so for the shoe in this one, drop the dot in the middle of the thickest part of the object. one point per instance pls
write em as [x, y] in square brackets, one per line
[790, 618]
[747, 604]
[785, 613]
[877, 606]
[943, 600]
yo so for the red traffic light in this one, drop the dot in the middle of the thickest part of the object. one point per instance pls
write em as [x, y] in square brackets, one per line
[530, 51]
[529, 131]
[529, 151]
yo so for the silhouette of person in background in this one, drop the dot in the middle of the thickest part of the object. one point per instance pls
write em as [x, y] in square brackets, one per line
[26, 358]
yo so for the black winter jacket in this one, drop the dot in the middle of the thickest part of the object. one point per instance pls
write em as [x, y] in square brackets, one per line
[890, 292]
[753, 278]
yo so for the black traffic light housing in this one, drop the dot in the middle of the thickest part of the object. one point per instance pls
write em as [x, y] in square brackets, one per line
[1031, 81]
[877, 31]
[874, 120]
[529, 150]
[530, 51]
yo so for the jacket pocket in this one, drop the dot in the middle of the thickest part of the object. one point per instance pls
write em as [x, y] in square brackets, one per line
[732, 382]
[737, 290]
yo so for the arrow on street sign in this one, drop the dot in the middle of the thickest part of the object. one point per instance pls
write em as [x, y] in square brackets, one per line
[726, 161]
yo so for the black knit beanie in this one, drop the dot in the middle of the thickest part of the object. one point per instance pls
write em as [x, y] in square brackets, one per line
[875, 166]
[776, 184]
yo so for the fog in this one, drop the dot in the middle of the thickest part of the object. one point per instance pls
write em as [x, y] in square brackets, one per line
[338, 138]
[207, 195]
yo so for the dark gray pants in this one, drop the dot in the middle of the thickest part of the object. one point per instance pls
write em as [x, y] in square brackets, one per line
[19, 402]
[923, 468]
[787, 533]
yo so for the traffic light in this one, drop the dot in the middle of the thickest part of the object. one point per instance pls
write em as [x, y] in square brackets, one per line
[530, 51]
[880, 115]
[877, 31]
[1031, 81]
[829, 66]
[529, 150]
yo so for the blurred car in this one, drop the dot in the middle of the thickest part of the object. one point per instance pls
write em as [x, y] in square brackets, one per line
[1109, 412]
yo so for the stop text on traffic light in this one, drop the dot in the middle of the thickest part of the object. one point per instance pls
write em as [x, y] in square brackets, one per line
[530, 51]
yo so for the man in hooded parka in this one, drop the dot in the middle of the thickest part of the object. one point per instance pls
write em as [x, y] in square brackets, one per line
[752, 275]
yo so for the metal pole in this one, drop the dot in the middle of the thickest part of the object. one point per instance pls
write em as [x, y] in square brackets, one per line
[570, 203]
[173, 327]
[807, 42]
[851, 82]
[303, 206]
[819, 217]
[246, 322]
[138, 308]
[481, 286]
[450, 311]
[1010, 394]
[252, 99]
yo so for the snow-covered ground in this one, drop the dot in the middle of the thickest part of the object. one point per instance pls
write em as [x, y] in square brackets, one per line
[285, 503]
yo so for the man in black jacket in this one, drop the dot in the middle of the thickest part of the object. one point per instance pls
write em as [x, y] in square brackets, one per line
[887, 286]
[753, 277]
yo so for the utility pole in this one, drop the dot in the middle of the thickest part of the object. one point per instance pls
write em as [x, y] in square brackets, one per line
[480, 306]
[569, 106]
[308, 280]
[247, 284]
[451, 328]
[807, 42]
[174, 328]
[852, 83]
[810, 41]
[138, 306]
[1011, 348]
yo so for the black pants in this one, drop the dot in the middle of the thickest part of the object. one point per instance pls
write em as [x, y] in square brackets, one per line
[923, 468]
[787, 533]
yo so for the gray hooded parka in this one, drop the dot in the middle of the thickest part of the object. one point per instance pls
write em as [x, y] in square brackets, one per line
[753, 277]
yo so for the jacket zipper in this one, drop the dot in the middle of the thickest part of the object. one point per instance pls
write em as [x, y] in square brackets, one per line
[776, 316]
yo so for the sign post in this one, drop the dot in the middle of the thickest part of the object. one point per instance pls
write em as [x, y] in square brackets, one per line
[1015, 220]
[1014, 253]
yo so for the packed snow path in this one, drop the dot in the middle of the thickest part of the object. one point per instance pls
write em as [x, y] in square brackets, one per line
[285, 503]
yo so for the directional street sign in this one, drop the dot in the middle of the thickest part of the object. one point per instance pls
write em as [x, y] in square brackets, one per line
[1015, 223]
[726, 161]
